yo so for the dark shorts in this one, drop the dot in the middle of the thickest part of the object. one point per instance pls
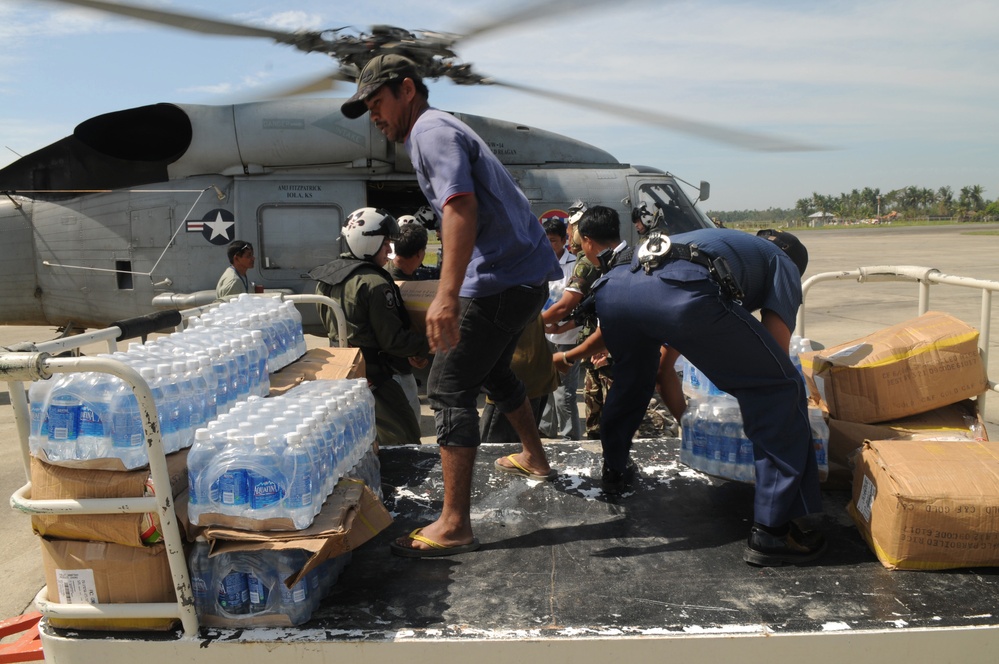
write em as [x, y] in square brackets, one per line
[490, 327]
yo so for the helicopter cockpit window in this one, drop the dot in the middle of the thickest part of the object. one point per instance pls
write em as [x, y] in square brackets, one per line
[298, 237]
[672, 211]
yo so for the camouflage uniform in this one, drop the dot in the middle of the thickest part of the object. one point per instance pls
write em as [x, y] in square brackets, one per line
[378, 324]
[596, 382]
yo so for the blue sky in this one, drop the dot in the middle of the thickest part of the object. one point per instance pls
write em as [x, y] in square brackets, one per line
[904, 91]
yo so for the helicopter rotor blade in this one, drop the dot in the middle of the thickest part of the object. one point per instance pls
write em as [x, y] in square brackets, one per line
[309, 86]
[747, 140]
[531, 12]
[193, 23]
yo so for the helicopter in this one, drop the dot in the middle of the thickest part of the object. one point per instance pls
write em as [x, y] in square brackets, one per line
[132, 212]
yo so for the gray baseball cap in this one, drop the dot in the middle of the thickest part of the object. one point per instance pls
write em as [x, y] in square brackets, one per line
[380, 70]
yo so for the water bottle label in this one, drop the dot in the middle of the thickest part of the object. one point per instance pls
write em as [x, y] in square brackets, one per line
[233, 592]
[232, 487]
[64, 422]
[264, 491]
[90, 422]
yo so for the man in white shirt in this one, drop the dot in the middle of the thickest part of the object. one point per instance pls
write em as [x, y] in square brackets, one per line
[561, 415]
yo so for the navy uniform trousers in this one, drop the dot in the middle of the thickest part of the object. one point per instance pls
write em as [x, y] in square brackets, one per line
[681, 305]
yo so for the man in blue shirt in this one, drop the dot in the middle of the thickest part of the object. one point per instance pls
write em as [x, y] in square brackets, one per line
[494, 281]
[695, 291]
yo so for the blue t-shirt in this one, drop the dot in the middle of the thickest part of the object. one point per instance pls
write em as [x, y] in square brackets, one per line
[768, 277]
[511, 247]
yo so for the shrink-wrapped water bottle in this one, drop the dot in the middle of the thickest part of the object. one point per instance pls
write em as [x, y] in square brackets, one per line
[299, 470]
[63, 415]
[94, 440]
[820, 437]
[203, 490]
[127, 435]
[295, 601]
[188, 408]
[38, 396]
[266, 482]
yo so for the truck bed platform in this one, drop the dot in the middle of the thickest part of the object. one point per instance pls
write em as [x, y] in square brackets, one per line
[568, 574]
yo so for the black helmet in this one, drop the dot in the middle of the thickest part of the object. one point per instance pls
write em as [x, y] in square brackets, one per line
[791, 245]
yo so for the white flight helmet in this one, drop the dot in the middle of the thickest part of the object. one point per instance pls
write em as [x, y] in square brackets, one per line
[365, 229]
[407, 219]
[426, 216]
[576, 211]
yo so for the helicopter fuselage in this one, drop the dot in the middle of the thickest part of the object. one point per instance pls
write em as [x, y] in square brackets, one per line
[141, 204]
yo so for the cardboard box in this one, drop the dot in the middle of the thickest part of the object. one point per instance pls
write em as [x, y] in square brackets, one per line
[331, 363]
[928, 505]
[417, 296]
[351, 516]
[959, 421]
[906, 369]
[104, 573]
[49, 482]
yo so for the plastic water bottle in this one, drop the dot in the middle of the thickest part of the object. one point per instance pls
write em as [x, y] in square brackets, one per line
[240, 355]
[232, 484]
[715, 442]
[265, 480]
[731, 424]
[223, 398]
[95, 413]
[746, 461]
[190, 411]
[233, 591]
[203, 490]
[257, 338]
[295, 600]
[38, 396]
[298, 469]
[686, 433]
[259, 582]
[200, 569]
[699, 437]
[63, 419]
[127, 435]
[167, 398]
[820, 437]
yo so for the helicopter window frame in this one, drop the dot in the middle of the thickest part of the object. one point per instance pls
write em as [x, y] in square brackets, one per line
[674, 211]
[281, 248]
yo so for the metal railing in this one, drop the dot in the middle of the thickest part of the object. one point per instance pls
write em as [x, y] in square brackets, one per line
[925, 277]
[32, 362]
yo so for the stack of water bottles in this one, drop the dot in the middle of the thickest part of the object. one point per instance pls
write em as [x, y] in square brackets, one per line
[241, 587]
[194, 376]
[278, 320]
[223, 357]
[269, 464]
[712, 437]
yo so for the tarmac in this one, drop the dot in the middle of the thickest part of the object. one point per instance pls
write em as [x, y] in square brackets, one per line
[836, 312]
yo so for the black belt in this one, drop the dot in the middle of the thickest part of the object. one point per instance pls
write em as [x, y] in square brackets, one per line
[658, 249]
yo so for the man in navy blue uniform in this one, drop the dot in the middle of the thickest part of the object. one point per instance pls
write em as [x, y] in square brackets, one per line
[695, 291]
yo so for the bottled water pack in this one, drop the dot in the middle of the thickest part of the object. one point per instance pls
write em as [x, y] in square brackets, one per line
[221, 359]
[712, 439]
[279, 458]
[248, 587]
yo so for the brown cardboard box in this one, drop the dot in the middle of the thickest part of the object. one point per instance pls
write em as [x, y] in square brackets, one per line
[417, 296]
[959, 421]
[319, 364]
[104, 573]
[906, 369]
[351, 516]
[928, 505]
[50, 482]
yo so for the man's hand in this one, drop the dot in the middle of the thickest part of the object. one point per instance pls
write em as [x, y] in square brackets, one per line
[418, 362]
[443, 331]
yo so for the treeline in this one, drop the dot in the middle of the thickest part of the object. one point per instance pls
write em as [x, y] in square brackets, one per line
[968, 203]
